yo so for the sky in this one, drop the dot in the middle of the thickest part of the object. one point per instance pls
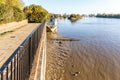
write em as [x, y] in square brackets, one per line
[78, 6]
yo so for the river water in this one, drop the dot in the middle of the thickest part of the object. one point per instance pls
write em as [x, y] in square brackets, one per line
[96, 56]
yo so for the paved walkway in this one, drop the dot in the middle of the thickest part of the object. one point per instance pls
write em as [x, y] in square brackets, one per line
[10, 41]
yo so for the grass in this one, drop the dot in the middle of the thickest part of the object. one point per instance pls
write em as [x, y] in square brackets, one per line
[1, 34]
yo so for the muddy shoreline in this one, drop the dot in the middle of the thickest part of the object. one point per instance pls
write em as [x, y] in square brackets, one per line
[57, 55]
[80, 60]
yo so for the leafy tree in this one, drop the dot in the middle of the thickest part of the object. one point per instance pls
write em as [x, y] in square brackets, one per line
[10, 10]
[18, 14]
[6, 13]
[36, 13]
[17, 3]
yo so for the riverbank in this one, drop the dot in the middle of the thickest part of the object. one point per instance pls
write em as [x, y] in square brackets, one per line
[75, 60]
[58, 54]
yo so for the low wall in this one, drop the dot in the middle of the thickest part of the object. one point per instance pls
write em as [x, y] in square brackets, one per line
[12, 26]
[39, 64]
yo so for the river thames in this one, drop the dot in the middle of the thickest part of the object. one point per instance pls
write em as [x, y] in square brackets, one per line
[96, 56]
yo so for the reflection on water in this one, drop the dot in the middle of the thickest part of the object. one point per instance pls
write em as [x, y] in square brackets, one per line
[96, 56]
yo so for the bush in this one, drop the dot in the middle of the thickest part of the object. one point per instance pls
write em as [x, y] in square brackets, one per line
[36, 13]
[18, 14]
[10, 13]
[6, 13]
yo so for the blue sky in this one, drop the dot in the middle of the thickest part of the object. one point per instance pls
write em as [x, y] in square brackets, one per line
[78, 6]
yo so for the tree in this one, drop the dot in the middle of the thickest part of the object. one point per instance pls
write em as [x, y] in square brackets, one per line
[74, 17]
[11, 10]
[15, 3]
[6, 13]
[18, 14]
[36, 13]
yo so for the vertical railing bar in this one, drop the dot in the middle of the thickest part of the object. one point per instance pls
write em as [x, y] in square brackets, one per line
[15, 68]
[11, 69]
[24, 68]
[2, 76]
[20, 66]
[23, 63]
[7, 73]
[24, 57]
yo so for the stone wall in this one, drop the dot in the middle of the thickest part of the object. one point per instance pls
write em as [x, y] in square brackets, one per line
[39, 65]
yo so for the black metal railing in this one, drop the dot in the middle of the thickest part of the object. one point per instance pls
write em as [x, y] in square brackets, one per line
[19, 64]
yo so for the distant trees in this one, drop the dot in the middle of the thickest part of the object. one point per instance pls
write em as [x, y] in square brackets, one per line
[59, 15]
[11, 10]
[36, 13]
[74, 17]
[66, 15]
[108, 15]
[55, 15]
[91, 15]
[71, 17]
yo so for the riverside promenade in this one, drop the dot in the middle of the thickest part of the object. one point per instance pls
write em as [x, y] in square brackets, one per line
[10, 41]
[23, 52]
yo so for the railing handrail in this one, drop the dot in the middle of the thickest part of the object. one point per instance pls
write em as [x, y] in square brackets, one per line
[17, 50]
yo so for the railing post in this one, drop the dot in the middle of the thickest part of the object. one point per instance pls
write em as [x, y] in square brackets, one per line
[2, 76]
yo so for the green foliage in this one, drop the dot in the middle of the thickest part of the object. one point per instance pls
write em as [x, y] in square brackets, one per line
[2, 1]
[18, 14]
[1, 34]
[36, 13]
[52, 15]
[10, 12]
[16, 3]
[6, 13]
